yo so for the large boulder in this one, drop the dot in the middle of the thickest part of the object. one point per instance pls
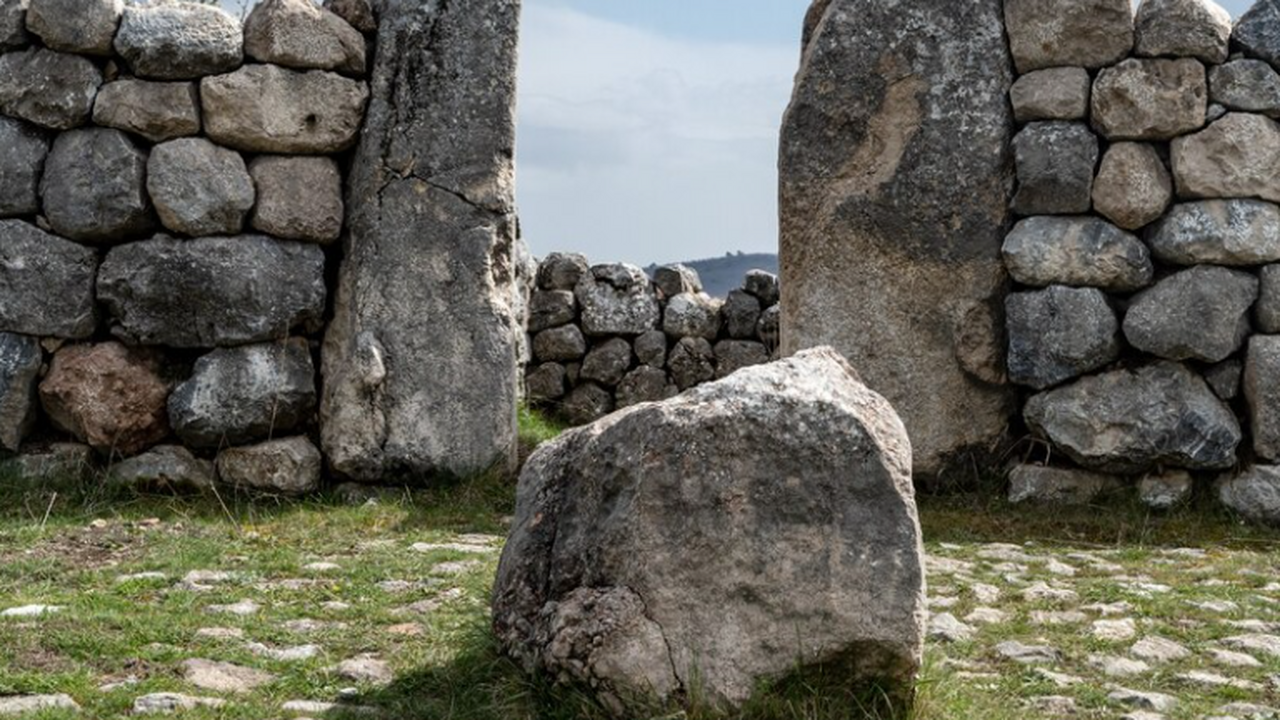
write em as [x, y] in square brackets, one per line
[405, 391]
[24, 148]
[75, 26]
[1076, 251]
[1262, 394]
[51, 89]
[94, 187]
[1234, 157]
[268, 109]
[617, 299]
[1055, 163]
[1183, 28]
[299, 198]
[211, 292]
[1059, 333]
[179, 40]
[764, 473]
[157, 111]
[199, 188]
[1130, 420]
[1149, 99]
[1053, 33]
[896, 178]
[1201, 313]
[46, 283]
[291, 466]
[20, 361]
[1218, 232]
[301, 34]
[244, 394]
[1257, 32]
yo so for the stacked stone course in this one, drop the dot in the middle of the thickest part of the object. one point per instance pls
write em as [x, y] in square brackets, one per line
[1146, 259]
[606, 337]
[171, 186]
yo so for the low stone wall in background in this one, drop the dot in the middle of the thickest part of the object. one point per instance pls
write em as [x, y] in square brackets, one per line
[605, 337]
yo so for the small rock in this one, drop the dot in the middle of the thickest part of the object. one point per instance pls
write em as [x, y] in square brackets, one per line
[546, 382]
[13, 25]
[1247, 86]
[219, 633]
[24, 147]
[1214, 680]
[268, 109]
[769, 328]
[1059, 333]
[617, 300]
[1158, 649]
[1153, 701]
[75, 26]
[1166, 491]
[30, 611]
[24, 704]
[1149, 99]
[1027, 654]
[1182, 28]
[1055, 163]
[94, 187]
[550, 309]
[1060, 93]
[1262, 392]
[1117, 666]
[179, 41]
[692, 362]
[560, 344]
[1133, 187]
[1057, 617]
[986, 616]
[1043, 592]
[199, 188]
[296, 653]
[946, 628]
[1218, 232]
[299, 198]
[1233, 659]
[1233, 157]
[1053, 705]
[562, 271]
[692, 315]
[1267, 311]
[1114, 630]
[1056, 33]
[651, 348]
[291, 466]
[1076, 251]
[733, 355]
[21, 360]
[243, 608]
[168, 703]
[586, 403]
[50, 89]
[741, 312]
[158, 111]
[1058, 486]
[47, 282]
[365, 669]
[673, 280]
[1256, 642]
[299, 34]
[224, 677]
[608, 362]
[357, 12]
[164, 468]
[644, 384]
[764, 286]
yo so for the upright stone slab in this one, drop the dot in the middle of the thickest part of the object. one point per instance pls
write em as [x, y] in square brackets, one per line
[420, 362]
[896, 177]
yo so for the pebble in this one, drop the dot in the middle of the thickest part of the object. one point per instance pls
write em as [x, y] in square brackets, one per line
[1114, 630]
[142, 577]
[946, 628]
[166, 703]
[1053, 705]
[456, 567]
[29, 611]
[242, 608]
[220, 633]
[986, 616]
[23, 704]
[322, 567]
[294, 653]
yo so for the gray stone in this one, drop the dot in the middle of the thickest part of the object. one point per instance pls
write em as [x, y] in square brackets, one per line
[1182, 28]
[764, 286]
[551, 308]
[301, 34]
[1156, 702]
[1267, 312]
[199, 188]
[586, 403]
[75, 26]
[51, 89]
[56, 464]
[1166, 491]
[1197, 314]
[157, 111]
[1129, 420]
[617, 300]
[245, 394]
[769, 328]
[31, 704]
[692, 315]
[1060, 93]
[23, 149]
[403, 391]
[1054, 33]
[224, 677]
[733, 355]
[1214, 112]
[46, 283]
[1218, 232]
[179, 40]
[558, 344]
[719, 617]
[546, 382]
[94, 187]
[562, 271]
[1234, 157]
[1149, 99]
[212, 292]
[298, 198]
[741, 312]
[1253, 493]
[1038, 484]
[1133, 186]
[1224, 378]
[357, 12]
[268, 109]
[1257, 32]
[1076, 251]
[607, 362]
[644, 384]
[1262, 393]
[692, 362]
[1246, 85]
[1055, 168]
[672, 280]
[13, 25]
[291, 466]
[165, 468]
[1059, 333]
[889, 288]
[20, 361]
[651, 348]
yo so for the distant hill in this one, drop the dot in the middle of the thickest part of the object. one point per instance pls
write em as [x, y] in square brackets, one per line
[722, 274]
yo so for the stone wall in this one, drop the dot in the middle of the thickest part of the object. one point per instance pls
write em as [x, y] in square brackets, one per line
[605, 337]
[171, 201]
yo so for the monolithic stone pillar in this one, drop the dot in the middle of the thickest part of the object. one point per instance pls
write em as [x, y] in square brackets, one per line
[420, 360]
[895, 186]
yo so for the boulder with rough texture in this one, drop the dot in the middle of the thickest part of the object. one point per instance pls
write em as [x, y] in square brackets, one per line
[359, 13]
[1059, 333]
[673, 280]
[763, 285]
[51, 89]
[607, 362]
[1262, 393]
[46, 283]
[1039, 484]
[1182, 28]
[109, 396]
[199, 188]
[763, 474]
[1051, 94]
[165, 468]
[617, 300]
[268, 109]
[1054, 33]
[244, 394]
[1246, 85]
[1218, 232]
[1267, 312]
[1133, 186]
[13, 25]
[644, 384]
[692, 362]
[560, 343]
[562, 271]
[894, 201]
[1128, 421]
[157, 111]
[301, 34]
[733, 355]
[1201, 313]
[20, 361]
[291, 466]
[1166, 491]
[24, 148]
[179, 41]
[298, 198]
[1055, 163]
[1253, 494]
[94, 187]
[1234, 157]
[75, 26]
[1076, 251]
[550, 309]
[1149, 99]
[741, 312]
[651, 348]
[431, 225]
[545, 382]
[692, 315]
[1257, 32]
[211, 292]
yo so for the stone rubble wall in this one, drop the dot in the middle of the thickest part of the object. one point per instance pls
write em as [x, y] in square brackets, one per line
[171, 201]
[1144, 323]
[606, 337]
